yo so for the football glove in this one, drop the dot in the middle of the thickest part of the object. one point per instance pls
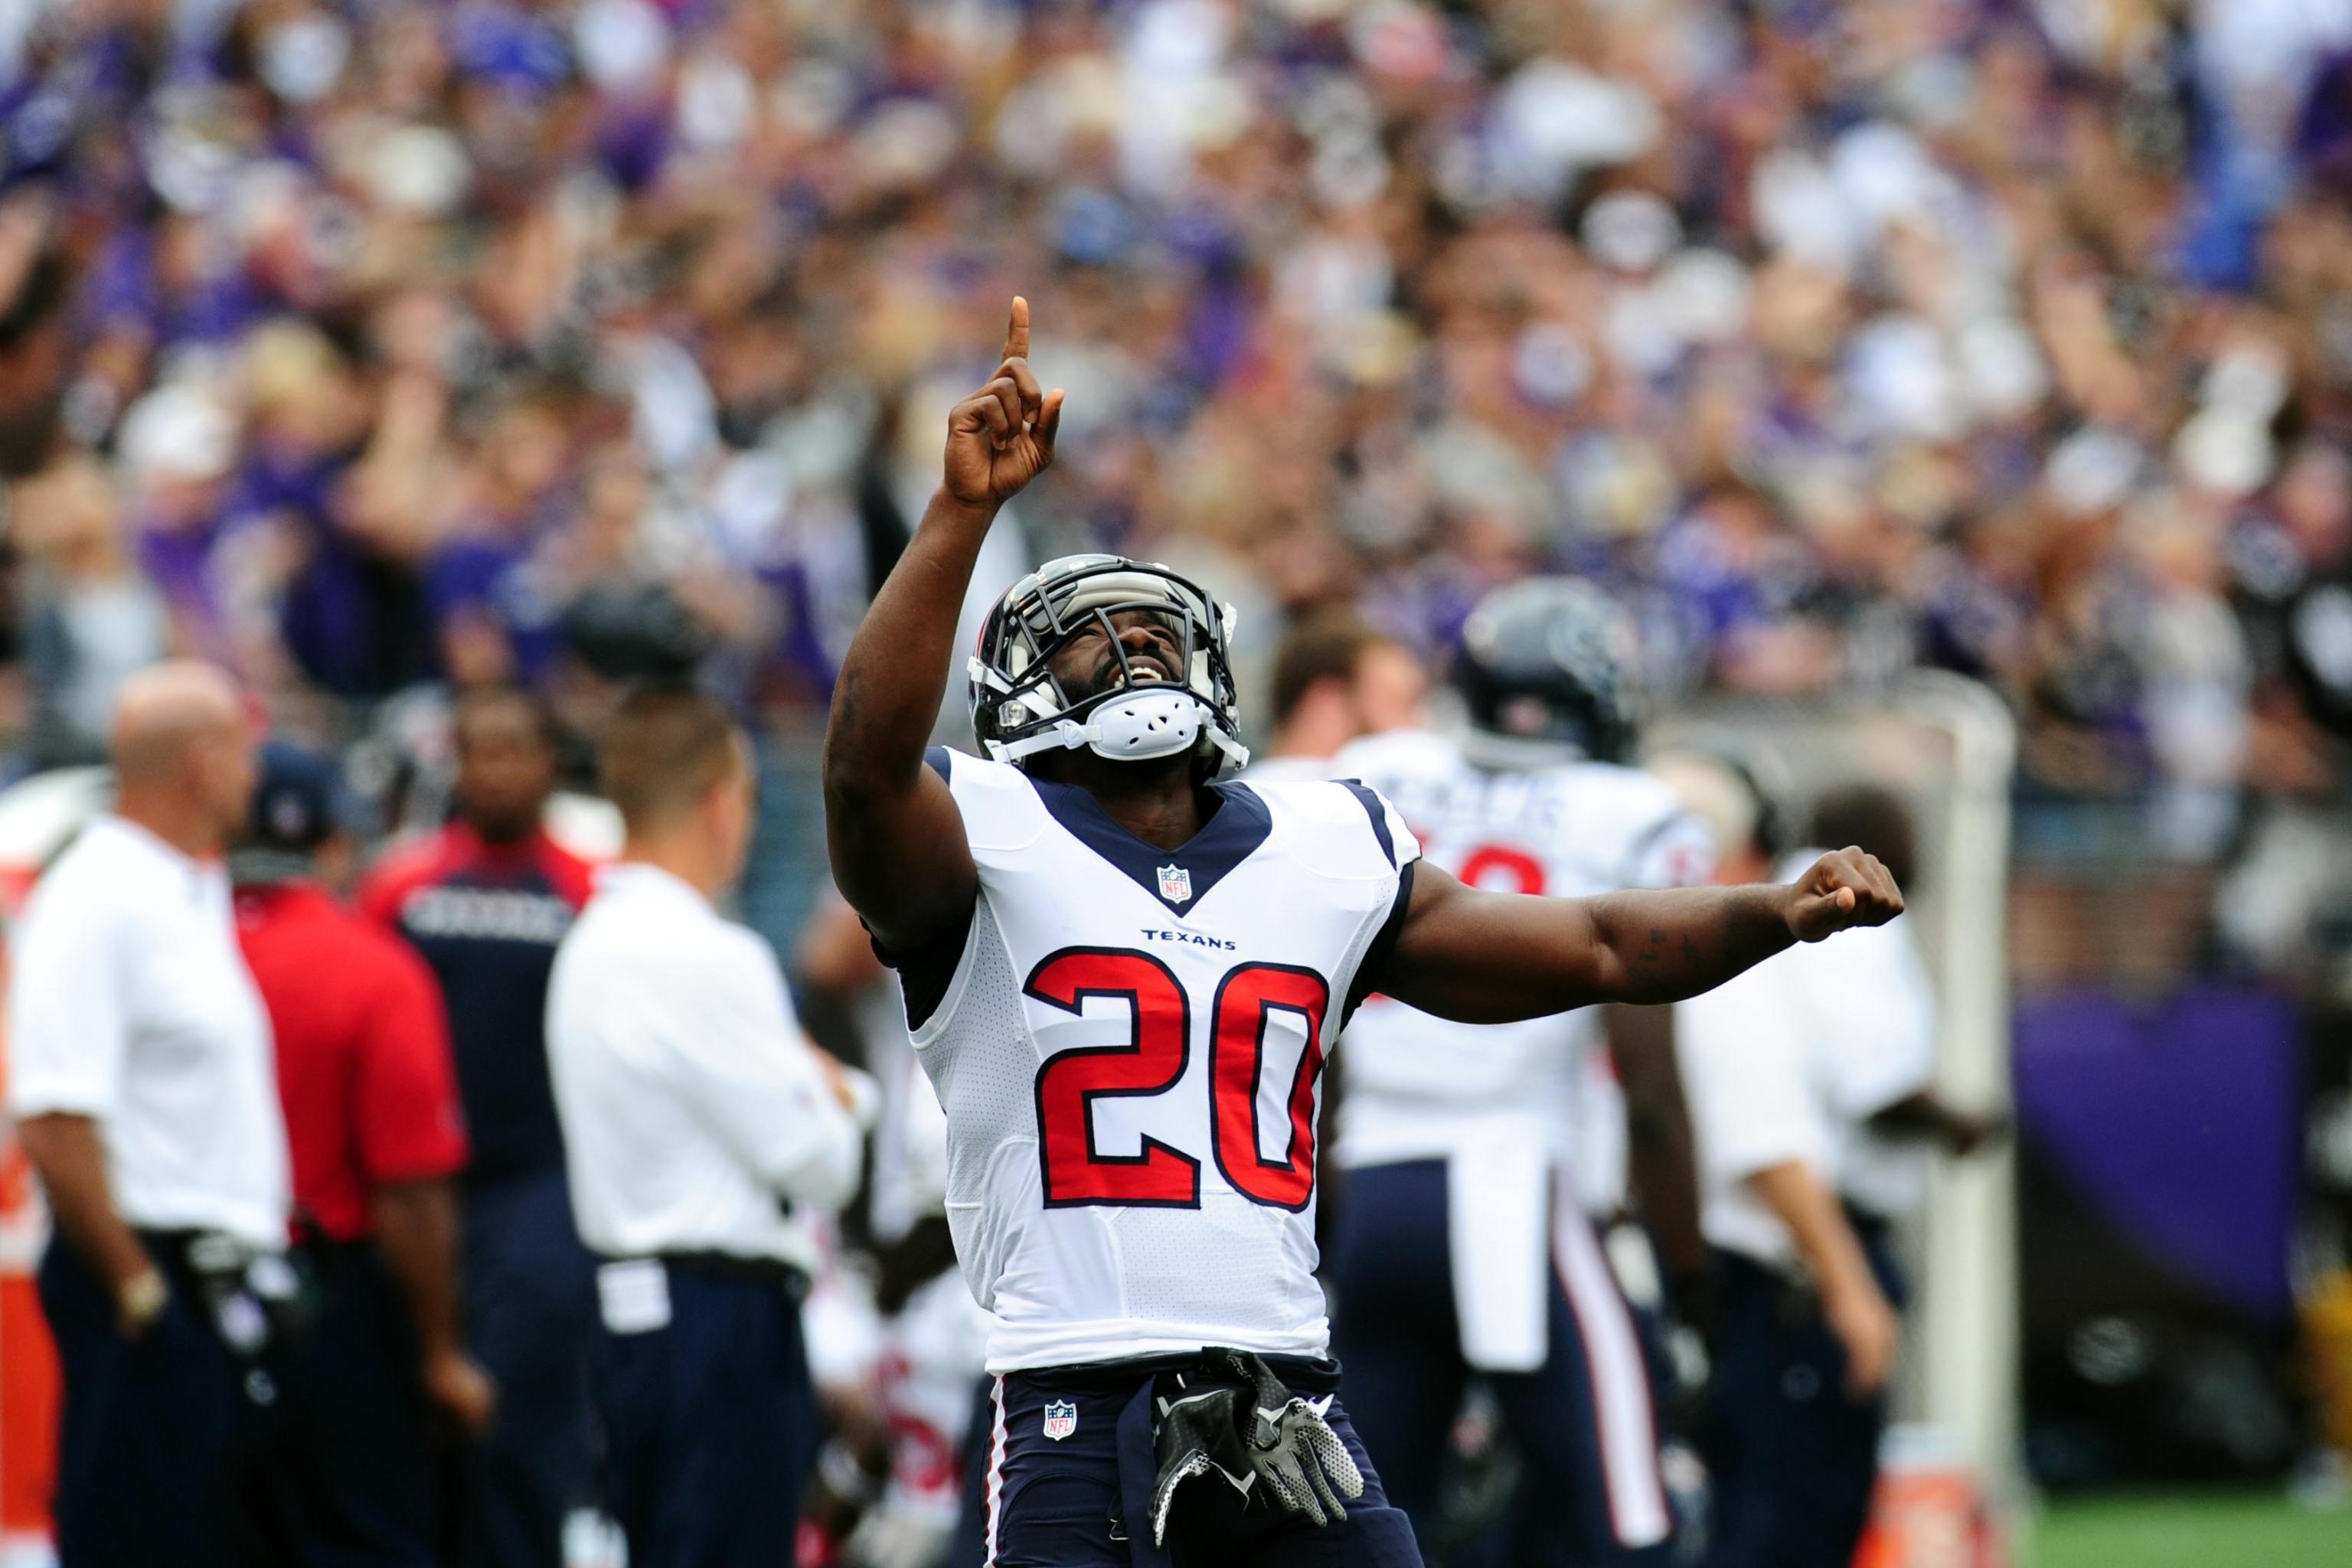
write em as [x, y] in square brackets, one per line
[1250, 1430]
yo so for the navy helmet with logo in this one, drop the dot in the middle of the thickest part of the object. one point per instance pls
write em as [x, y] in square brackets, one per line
[1019, 708]
[1546, 667]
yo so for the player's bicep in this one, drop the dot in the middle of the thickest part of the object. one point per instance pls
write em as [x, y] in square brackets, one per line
[1481, 957]
[900, 856]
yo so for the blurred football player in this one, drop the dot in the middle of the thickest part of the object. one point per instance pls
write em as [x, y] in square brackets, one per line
[1463, 1244]
[1120, 974]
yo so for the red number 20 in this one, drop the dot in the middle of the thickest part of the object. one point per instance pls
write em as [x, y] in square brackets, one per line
[1151, 1062]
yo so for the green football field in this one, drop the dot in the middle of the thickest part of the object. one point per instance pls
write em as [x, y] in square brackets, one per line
[2230, 1530]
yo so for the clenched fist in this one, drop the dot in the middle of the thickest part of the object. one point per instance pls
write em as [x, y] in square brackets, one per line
[1844, 888]
[1002, 437]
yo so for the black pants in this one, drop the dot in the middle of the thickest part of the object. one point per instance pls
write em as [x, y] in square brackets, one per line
[711, 1425]
[531, 1316]
[350, 1471]
[157, 1443]
[1792, 1456]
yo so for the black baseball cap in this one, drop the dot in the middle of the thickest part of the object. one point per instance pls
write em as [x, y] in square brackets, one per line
[299, 803]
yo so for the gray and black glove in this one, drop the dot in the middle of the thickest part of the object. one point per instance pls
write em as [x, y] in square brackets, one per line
[1249, 1430]
[1294, 1450]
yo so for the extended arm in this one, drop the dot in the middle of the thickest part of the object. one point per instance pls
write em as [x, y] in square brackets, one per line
[1924, 1117]
[1495, 958]
[895, 837]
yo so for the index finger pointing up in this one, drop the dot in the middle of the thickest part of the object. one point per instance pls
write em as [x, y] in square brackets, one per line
[1016, 331]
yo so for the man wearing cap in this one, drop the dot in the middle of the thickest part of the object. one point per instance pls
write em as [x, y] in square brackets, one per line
[140, 1078]
[374, 1128]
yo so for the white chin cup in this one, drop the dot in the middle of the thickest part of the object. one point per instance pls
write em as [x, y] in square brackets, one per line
[1146, 725]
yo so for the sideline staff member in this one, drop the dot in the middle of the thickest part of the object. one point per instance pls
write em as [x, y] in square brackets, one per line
[1808, 1335]
[486, 899]
[695, 1116]
[372, 1124]
[141, 1079]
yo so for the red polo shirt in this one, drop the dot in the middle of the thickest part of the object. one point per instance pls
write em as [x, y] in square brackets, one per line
[363, 1067]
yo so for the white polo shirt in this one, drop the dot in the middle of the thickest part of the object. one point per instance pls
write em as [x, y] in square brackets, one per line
[129, 1003]
[1753, 1103]
[690, 1102]
[1873, 1043]
[1789, 1061]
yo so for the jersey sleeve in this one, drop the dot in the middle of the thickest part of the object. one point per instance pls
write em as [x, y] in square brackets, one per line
[68, 1016]
[1389, 830]
[407, 1120]
[1001, 813]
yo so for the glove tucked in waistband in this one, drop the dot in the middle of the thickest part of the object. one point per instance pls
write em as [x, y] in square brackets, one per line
[1231, 1417]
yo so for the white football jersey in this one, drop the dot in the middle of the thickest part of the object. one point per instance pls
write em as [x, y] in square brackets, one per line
[1423, 1088]
[1129, 1052]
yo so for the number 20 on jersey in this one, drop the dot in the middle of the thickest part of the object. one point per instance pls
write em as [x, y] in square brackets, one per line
[1152, 1061]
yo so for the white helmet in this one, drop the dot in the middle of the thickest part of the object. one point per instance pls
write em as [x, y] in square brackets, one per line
[1019, 708]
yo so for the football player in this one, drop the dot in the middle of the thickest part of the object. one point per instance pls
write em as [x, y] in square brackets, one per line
[1120, 973]
[1474, 1151]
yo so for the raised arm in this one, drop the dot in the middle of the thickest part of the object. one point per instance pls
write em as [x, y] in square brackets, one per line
[896, 840]
[1495, 958]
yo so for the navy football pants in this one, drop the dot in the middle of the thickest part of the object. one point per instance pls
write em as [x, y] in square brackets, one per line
[709, 1426]
[1584, 1423]
[1082, 1500]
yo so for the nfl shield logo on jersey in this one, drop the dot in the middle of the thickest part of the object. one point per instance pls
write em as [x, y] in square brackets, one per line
[1175, 884]
[1061, 1419]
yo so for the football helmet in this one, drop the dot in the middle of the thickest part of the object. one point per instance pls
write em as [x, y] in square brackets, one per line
[1546, 667]
[1019, 708]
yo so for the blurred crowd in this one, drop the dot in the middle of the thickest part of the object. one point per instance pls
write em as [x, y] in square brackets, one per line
[359, 344]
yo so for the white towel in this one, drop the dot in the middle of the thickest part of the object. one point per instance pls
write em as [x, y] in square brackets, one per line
[1495, 1203]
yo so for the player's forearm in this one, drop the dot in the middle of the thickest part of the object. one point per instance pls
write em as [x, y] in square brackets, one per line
[1497, 958]
[67, 1155]
[896, 673]
[1670, 945]
[416, 1231]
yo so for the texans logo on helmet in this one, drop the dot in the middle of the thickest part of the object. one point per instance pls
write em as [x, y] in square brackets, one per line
[1061, 1419]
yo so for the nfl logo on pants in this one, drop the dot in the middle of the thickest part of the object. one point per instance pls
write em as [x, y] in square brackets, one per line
[1175, 884]
[1061, 1419]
